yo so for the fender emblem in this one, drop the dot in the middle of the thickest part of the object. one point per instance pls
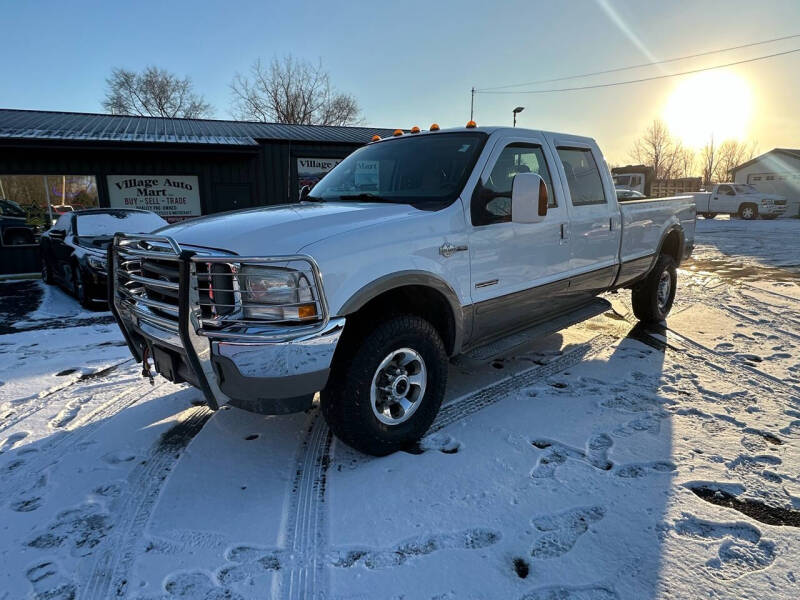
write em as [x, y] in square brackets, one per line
[447, 249]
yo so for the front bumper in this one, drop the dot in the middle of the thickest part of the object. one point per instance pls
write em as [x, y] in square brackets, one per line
[270, 369]
[773, 210]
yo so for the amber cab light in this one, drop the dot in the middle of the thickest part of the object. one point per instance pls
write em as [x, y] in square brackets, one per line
[398, 132]
[471, 125]
[415, 129]
[376, 138]
[435, 127]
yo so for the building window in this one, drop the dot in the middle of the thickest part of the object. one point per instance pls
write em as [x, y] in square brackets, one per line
[41, 199]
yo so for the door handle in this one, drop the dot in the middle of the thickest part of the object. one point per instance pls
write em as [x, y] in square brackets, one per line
[564, 233]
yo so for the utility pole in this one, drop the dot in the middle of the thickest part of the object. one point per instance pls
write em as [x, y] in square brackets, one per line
[472, 104]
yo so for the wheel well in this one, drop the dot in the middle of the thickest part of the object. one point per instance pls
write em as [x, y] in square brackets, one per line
[672, 245]
[420, 300]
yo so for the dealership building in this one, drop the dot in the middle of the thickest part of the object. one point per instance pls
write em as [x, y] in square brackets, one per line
[55, 162]
[178, 168]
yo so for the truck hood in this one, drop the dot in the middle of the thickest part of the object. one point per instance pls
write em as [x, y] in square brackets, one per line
[284, 229]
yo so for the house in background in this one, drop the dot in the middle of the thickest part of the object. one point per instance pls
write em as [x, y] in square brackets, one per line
[774, 172]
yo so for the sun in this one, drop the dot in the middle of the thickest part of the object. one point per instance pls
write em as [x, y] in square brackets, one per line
[718, 103]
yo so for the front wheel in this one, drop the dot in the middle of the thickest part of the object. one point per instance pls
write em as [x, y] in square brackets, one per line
[79, 287]
[47, 271]
[653, 297]
[748, 212]
[386, 390]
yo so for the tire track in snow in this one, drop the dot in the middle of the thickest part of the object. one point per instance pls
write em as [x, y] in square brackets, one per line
[723, 366]
[110, 573]
[76, 432]
[461, 408]
[44, 399]
[305, 533]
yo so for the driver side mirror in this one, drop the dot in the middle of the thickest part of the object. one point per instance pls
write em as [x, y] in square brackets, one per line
[304, 192]
[528, 198]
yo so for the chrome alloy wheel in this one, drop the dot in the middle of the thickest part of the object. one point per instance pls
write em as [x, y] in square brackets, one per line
[398, 386]
[664, 288]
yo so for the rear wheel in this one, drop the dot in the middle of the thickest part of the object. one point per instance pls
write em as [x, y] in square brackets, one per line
[748, 212]
[386, 390]
[709, 215]
[653, 297]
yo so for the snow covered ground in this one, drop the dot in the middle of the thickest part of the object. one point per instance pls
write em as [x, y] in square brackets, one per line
[605, 461]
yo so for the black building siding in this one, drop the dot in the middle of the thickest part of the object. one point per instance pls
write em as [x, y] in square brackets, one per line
[229, 177]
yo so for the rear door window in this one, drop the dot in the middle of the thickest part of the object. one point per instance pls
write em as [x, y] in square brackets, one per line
[583, 176]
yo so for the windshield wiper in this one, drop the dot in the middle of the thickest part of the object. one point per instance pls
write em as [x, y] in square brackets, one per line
[366, 197]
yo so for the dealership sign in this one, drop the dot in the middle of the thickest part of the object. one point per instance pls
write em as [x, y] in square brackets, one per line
[311, 170]
[173, 197]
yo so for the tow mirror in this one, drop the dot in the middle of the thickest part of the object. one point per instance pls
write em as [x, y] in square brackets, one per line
[528, 198]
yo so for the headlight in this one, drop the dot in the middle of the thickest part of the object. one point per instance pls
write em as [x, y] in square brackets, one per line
[98, 263]
[766, 201]
[277, 294]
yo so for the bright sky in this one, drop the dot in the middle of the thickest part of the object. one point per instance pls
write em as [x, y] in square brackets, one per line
[414, 62]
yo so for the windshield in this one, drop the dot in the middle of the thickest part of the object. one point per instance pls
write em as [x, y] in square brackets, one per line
[428, 171]
[113, 221]
[746, 189]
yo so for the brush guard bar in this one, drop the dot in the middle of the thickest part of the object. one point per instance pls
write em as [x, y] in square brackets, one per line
[189, 303]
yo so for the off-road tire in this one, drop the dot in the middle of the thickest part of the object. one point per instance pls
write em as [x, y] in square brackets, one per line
[644, 296]
[743, 214]
[345, 402]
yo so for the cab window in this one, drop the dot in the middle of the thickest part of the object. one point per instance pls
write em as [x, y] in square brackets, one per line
[726, 190]
[583, 176]
[513, 160]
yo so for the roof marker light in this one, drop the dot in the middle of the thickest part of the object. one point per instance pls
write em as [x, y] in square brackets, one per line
[398, 132]
[376, 138]
[415, 129]
[435, 127]
[471, 125]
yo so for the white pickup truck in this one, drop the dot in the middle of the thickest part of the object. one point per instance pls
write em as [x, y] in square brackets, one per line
[739, 199]
[414, 249]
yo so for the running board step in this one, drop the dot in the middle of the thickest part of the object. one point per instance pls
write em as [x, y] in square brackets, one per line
[515, 341]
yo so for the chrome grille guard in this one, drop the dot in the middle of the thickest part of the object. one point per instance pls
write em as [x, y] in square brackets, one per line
[195, 321]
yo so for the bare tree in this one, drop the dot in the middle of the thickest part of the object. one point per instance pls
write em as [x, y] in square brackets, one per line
[291, 90]
[731, 154]
[658, 149]
[153, 92]
[685, 162]
[709, 157]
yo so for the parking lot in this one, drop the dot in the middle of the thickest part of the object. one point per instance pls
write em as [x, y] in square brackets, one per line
[604, 461]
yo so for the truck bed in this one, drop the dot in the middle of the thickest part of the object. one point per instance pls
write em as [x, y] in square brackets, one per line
[644, 223]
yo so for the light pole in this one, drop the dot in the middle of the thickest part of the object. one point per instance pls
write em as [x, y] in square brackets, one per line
[517, 110]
